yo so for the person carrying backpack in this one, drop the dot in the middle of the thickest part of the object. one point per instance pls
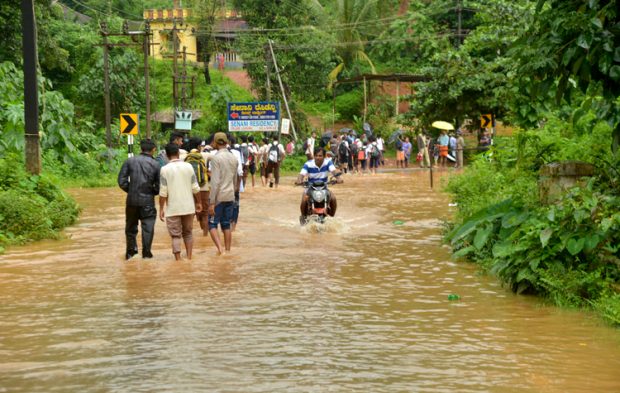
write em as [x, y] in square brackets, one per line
[244, 150]
[253, 153]
[354, 152]
[199, 162]
[275, 155]
[374, 155]
[343, 154]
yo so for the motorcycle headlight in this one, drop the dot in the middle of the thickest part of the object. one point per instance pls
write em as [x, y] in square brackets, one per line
[318, 196]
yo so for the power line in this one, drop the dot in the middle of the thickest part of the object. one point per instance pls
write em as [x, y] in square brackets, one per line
[363, 42]
[102, 12]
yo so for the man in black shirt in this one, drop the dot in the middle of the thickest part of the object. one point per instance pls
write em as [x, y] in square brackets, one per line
[139, 178]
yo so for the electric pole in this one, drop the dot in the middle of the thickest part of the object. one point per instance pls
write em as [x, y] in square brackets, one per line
[106, 83]
[175, 54]
[459, 32]
[147, 86]
[288, 111]
[31, 95]
[268, 74]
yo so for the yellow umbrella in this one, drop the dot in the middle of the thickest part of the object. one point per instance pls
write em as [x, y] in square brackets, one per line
[443, 125]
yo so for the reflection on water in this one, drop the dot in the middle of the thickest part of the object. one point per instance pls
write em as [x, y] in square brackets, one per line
[362, 305]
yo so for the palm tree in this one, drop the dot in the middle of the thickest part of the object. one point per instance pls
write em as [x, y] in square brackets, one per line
[351, 25]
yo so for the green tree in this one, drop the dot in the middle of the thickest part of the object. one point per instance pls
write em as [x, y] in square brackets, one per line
[204, 16]
[571, 46]
[303, 53]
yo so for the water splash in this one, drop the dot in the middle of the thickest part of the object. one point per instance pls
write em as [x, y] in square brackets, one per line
[330, 225]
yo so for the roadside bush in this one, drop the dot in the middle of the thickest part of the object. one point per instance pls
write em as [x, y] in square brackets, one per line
[31, 207]
[349, 104]
[569, 251]
[293, 164]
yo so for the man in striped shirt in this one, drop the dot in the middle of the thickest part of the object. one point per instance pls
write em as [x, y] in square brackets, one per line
[318, 170]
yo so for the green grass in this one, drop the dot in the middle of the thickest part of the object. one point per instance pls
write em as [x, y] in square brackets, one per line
[316, 108]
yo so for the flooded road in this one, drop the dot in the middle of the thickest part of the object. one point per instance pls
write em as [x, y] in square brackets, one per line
[363, 307]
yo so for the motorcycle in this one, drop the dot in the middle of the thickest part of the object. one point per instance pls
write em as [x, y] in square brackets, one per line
[318, 201]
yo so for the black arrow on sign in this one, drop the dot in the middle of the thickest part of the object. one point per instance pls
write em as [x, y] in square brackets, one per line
[130, 124]
[486, 121]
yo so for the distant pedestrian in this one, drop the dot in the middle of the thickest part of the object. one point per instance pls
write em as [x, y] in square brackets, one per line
[400, 153]
[460, 147]
[262, 159]
[344, 153]
[275, 156]
[139, 178]
[199, 160]
[224, 174]
[361, 157]
[253, 150]
[443, 142]
[309, 146]
[422, 140]
[178, 139]
[290, 148]
[452, 145]
[381, 146]
[374, 155]
[235, 149]
[407, 151]
[178, 200]
[220, 61]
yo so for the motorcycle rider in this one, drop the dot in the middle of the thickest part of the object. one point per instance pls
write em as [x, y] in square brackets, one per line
[317, 171]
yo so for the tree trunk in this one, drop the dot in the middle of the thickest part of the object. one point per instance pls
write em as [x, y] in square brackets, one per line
[207, 60]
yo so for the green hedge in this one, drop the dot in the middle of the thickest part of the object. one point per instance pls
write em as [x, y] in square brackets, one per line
[31, 207]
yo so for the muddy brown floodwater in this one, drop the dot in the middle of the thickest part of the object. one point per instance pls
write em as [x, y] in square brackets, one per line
[361, 307]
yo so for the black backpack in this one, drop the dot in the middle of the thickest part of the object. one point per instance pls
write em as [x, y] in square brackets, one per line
[343, 149]
[354, 149]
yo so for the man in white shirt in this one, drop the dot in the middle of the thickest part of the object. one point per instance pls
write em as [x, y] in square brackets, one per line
[178, 200]
[381, 146]
[310, 146]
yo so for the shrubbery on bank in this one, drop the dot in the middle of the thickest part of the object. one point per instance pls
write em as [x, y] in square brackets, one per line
[568, 251]
[32, 207]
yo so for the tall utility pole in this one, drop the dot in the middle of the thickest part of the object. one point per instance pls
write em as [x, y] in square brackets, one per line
[183, 80]
[288, 111]
[146, 44]
[31, 95]
[268, 73]
[147, 86]
[459, 32]
[175, 54]
[106, 83]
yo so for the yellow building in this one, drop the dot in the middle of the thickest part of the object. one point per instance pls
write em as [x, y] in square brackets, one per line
[163, 23]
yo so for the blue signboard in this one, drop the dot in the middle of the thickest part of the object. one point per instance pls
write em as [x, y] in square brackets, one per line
[253, 116]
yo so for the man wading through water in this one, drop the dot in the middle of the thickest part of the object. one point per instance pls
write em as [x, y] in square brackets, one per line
[139, 178]
[178, 190]
[224, 170]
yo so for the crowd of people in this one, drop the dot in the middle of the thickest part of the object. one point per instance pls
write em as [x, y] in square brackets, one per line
[194, 178]
[203, 179]
[348, 152]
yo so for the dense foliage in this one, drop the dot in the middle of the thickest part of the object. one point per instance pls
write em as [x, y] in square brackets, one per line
[31, 207]
[567, 251]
